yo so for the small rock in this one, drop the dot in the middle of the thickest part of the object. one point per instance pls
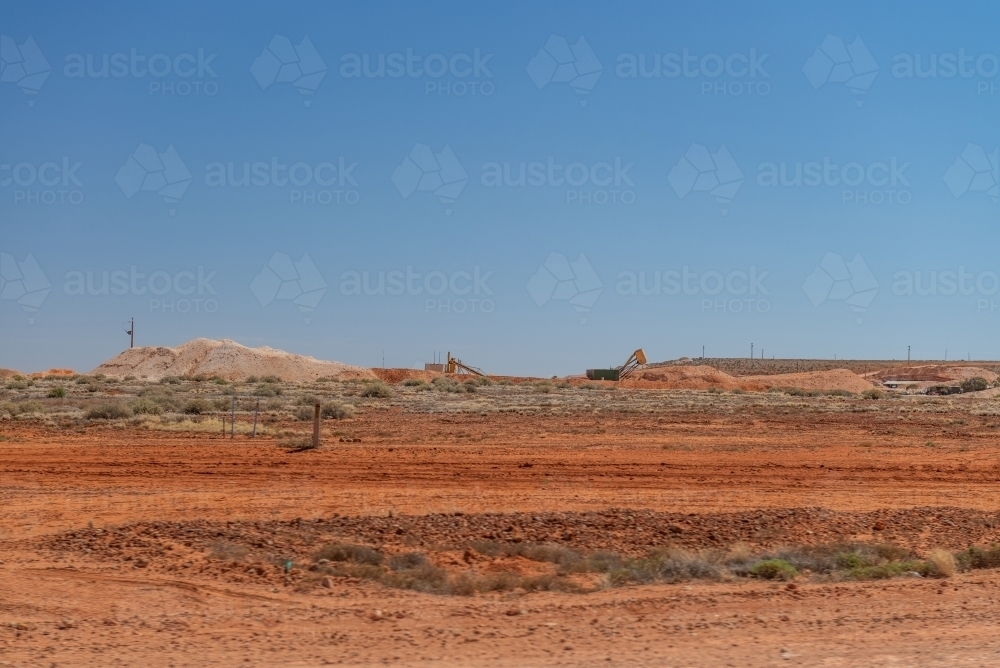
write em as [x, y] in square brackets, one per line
[141, 563]
[327, 582]
[879, 526]
[66, 624]
[792, 586]
[676, 528]
[376, 615]
[513, 612]
[323, 562]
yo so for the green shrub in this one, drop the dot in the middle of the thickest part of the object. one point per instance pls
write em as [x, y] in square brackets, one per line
[267, 390]
[358, 554]
[146, 406]
[270, 379]
[304, 413]
[197, 407]
[978, 557]
[337, 411]
[377, 390]
[413, 382]
[873, 394]
[18, 385]
[773, 569]
[976, 384]
[57, 392]
[109, 410]
[170, 380]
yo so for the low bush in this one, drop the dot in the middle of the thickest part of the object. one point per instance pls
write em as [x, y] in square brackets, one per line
[337, 411]
[197, 407]
[976, 384]
[267, 390]
[377, 390]
[978, 557]
[873, 394]
[413, 382]
[358, 554]
[109, 410]
[57, 392]
[773, 569]
[146, 406]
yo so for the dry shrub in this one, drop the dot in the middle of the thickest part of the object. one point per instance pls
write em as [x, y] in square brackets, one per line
[942, 563]
[109, 410]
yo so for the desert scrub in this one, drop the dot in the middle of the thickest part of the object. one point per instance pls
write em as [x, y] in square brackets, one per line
[873, 394]
[18, 408]
[349, 552]
[267, 390]
[976, 384]
[57, 392]
[412, 382]
[146, 406]
[376, 390]
[978, 557]
[109, 410]
[197, 407]
[773, 569]
[334, 410]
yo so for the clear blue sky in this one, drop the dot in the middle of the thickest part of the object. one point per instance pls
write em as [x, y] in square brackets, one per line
[386, 137]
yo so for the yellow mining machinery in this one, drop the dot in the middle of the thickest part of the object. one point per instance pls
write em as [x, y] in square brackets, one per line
[456, 366]
[622, 372]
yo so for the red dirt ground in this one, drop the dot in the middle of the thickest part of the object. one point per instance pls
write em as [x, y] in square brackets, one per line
[76, 503]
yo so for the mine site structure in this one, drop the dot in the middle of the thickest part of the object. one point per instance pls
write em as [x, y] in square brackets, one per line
[455, 366]
[632, 364]
[452, 366]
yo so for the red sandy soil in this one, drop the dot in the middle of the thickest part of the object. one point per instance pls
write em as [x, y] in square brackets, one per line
[105, 538]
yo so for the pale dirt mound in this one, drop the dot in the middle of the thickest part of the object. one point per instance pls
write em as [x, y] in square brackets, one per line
[836, 379]
[54, 373]
[9, 373]
[226, 359]
[935, 373]
[683, 378]
[707, 377]
[394, 376]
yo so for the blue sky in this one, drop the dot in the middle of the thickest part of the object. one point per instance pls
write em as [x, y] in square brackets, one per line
[669, 175]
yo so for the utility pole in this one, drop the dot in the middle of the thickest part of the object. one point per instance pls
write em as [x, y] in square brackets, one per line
[131, 334]
[907, 353]
[751, 350]
[703, 352]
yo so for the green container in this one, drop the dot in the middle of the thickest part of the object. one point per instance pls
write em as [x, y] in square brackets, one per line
[603, 374]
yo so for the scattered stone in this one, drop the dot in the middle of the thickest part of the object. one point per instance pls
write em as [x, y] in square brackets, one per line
[376, 615]
[513, 612]
[327, 582]
[792, 586]
[66, 624]
[879, 526]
